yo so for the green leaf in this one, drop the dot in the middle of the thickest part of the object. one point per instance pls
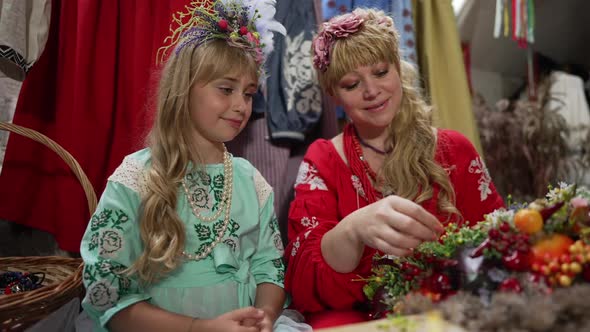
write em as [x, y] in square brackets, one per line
[203, 232]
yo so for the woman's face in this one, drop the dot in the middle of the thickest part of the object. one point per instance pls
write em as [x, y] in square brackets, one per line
[371, 95]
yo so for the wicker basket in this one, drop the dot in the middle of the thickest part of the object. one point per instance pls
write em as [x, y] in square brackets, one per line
[63, 276]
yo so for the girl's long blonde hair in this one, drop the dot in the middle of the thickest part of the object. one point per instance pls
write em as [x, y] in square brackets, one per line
[410, 169]
[170, 140]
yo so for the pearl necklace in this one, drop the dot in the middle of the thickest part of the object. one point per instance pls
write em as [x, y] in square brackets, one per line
[225, 206]
[227, 188]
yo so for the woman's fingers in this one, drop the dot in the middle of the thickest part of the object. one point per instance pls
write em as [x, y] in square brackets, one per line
[388, 249]
[417, 213]
[409, 227]
[397, 239]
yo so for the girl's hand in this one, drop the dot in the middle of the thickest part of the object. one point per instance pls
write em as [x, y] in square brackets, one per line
[264, 325]
[395, 225]
[234, 321]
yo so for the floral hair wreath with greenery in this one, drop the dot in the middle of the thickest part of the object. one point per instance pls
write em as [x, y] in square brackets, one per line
[246, 24]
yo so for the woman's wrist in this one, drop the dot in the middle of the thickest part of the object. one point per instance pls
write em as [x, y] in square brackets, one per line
[342, 247]
[348, 229]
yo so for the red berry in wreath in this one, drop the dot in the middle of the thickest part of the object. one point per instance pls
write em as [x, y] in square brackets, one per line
[517, 261]
[505, 227]
[222, 24]
[510, 285]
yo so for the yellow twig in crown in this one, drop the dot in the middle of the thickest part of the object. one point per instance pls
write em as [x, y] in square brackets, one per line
[179, 21]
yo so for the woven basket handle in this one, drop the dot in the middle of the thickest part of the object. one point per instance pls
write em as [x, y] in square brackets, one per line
[65, 155]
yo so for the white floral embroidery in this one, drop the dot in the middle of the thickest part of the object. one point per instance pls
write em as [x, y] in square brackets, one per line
[356, 183]
[296, 245]
[102, 295]
[299, 76]
[317, 183]
[131, 174]
[278, 243]
[477, 166]
[110, 241]
[309, 223]
[302, 173]
[308, 174]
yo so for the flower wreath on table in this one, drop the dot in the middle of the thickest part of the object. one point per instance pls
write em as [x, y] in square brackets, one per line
[529, 252]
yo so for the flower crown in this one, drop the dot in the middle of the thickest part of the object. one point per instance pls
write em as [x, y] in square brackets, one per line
[246, 24]
[341, 27]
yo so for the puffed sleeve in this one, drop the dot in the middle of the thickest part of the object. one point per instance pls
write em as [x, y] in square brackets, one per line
[267, 262]
[312, 283]
[475, 192]
[110, 245]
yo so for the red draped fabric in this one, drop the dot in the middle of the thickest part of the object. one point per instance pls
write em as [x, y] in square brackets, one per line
[91, 91]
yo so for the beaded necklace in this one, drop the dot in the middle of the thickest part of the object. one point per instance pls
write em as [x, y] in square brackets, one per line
[224, 207]
[358, 163]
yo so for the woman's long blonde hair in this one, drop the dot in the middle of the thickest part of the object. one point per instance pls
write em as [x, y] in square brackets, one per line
[410, 169]
[170, 140]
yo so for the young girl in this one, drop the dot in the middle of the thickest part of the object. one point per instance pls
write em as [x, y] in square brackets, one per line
[388, 183]
[185, 237]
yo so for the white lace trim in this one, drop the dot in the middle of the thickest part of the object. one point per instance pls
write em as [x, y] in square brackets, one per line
[263, 189]
[131, 174]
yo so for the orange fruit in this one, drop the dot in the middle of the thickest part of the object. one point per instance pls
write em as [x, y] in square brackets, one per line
[551, 247]
[528, 221]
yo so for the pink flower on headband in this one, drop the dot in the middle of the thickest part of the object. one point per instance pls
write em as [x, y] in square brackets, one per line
[344, 25]
[339, 27]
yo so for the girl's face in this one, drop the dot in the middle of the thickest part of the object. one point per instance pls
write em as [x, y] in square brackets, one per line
[371, 95]
[220, 109]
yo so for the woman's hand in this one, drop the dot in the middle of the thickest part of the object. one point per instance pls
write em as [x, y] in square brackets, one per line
[394, 225]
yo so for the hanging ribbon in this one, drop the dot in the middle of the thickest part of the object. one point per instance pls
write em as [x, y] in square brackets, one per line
[521, 29]
[517, 18]
[498, 19]
[531, 22]
[506, 19]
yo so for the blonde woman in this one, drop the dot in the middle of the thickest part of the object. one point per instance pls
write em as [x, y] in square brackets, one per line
[388, 183]
[185, 236]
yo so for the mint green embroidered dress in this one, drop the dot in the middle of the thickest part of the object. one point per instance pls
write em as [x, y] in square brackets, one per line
[250, 252]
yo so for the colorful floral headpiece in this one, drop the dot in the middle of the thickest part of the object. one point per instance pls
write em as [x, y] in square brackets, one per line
[247, 24]
[341, 27]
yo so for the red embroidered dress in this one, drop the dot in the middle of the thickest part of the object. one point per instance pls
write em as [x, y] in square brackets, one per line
[326, 191]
